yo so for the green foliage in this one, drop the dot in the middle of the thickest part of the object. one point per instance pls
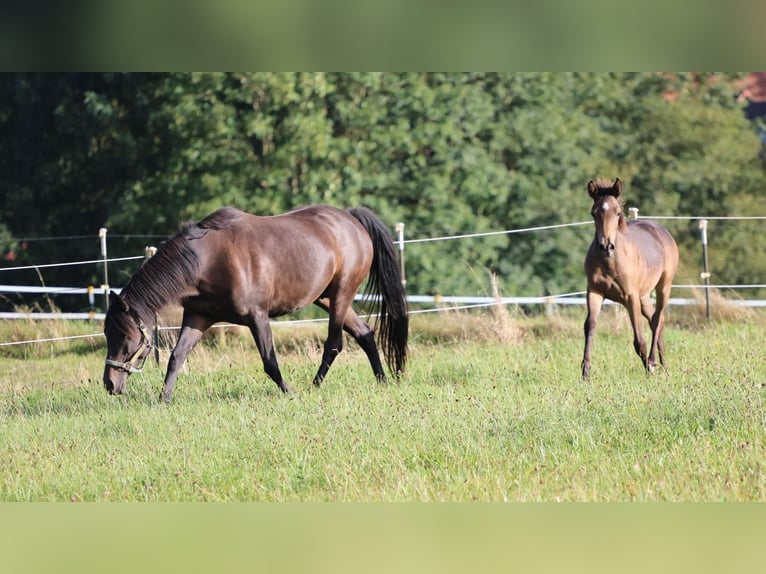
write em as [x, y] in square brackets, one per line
[445, 153]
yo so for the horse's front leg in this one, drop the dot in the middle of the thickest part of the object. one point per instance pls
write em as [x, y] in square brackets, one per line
[191, 332]
[261, 330]
[594, 302]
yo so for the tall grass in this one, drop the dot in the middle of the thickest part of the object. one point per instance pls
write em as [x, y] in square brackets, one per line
[479, 416]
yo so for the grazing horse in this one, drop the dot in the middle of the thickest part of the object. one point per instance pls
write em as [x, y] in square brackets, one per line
[625, 262]
[242, 268]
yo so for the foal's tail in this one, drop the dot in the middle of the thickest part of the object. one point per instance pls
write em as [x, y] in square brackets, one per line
[385, 280]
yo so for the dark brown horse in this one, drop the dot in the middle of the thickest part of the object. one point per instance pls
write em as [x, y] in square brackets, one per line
[241, 268]
[625, 262]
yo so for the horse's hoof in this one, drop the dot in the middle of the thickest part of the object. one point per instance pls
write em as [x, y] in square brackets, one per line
[287, 390]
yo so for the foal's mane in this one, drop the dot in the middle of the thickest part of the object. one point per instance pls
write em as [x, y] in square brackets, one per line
[604, 187]
[175, 266]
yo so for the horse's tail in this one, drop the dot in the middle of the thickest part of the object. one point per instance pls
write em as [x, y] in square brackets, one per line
[385, 280]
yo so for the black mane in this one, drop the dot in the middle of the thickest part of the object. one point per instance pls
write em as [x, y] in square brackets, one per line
[163, 277]
[175, 266]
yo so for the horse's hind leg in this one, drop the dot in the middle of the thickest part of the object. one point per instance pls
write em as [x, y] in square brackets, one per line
[647, 309]
[633, 304]
[365, 337]
[658, 324]
[261, 330]
[358, 329]
[333, 345]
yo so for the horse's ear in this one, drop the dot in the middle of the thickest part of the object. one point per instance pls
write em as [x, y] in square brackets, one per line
[592, 190]
[115, 298]
[617, 187]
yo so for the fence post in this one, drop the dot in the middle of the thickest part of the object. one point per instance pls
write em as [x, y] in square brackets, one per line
[105, 285]
[148, 254]
[400, 233]
[633, 213]
[705, 275]
[91, 302]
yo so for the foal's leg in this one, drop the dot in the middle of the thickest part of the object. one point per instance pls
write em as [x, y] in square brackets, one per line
[658, 324]
[647, 309]
[594, 302]
[192, 328]
[261, 331]
[633, 304]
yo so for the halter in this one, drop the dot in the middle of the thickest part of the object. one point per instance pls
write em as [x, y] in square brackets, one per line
[129, 365]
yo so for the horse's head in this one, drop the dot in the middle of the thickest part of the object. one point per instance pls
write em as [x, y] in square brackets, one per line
[607, 213]
[128, 344]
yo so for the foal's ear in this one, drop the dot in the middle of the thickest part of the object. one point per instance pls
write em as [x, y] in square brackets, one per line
[592, 190]
[115, 298]
[617, 187]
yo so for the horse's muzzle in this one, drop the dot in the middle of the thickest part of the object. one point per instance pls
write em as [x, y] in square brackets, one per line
[113, 386]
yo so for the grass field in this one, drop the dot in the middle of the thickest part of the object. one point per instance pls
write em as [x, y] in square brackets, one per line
[491, 409]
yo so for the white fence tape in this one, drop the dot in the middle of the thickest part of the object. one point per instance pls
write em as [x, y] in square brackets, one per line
[439, 303]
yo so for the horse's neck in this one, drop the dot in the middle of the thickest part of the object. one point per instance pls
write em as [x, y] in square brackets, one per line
[147, 295]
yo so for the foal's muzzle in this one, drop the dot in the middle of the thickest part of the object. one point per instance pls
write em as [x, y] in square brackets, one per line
[607, 248]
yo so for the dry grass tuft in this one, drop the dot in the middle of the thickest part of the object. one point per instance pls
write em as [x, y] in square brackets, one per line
[723, 308]
[503, 326]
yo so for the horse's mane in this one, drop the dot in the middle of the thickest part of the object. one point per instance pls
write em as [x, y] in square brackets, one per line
[220, 219]
[162, 278]
[175, 266]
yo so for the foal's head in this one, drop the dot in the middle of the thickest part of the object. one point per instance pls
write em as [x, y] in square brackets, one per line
[607, 213]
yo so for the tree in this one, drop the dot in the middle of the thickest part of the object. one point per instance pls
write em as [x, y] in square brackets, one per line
[447, 154]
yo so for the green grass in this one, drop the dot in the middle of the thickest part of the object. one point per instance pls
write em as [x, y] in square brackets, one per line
[473, 419]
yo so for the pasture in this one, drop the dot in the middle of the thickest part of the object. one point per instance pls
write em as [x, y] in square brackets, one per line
[492, 408]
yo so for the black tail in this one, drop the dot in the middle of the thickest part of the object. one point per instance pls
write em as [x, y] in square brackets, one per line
[385, 280]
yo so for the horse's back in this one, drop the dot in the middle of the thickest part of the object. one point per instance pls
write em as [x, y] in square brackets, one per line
[286, 261]
[656, 244]
[308, 222]
[646, 256]
[652, 228]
